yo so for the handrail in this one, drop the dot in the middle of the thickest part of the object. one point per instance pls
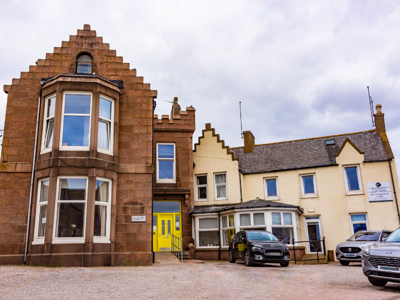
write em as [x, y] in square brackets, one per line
[322, 241]
[176, 247]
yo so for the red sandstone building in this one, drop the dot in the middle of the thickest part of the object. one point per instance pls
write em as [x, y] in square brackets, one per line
[89, 175]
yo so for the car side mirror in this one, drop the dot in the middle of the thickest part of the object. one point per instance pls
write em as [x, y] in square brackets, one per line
[384, 240]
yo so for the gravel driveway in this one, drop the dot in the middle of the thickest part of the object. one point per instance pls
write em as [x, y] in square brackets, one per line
[210, 280]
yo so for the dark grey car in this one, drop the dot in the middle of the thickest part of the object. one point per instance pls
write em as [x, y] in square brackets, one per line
[381, 261]
[350, 250]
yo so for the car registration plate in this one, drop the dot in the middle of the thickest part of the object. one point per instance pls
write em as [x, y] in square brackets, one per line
[273, 253]
[350, 255]
[386, 268]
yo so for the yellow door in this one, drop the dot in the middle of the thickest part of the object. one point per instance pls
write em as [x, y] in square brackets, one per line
[165, 230]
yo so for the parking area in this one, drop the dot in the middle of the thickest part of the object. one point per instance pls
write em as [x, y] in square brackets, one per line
[209, 280]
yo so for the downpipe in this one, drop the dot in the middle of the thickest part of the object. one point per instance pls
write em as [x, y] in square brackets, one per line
[152, 178]
[394, 189]
[33, 173]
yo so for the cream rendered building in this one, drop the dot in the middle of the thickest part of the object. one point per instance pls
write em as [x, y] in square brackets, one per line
[326, 187]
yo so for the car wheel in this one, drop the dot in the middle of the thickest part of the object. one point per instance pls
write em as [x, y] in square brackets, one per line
[344, 263]
[284, 264]
[232, 259]
[247, 260]
[377, 282]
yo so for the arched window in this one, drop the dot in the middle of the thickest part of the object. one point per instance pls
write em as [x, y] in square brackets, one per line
[84, 64]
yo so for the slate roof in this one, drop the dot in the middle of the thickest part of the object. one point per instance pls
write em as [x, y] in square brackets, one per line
[256, 203]
[307, 153]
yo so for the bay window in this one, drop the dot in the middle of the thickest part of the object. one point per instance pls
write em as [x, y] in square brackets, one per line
[252, 221]
[48, 123]
[221, 191]
[283, 226]
[75, 132]
[228, 229]
[208, 232]
[166, 163]
[102, 211]
[70, 215]
[106, 125]
[41, 210]
[201, 187]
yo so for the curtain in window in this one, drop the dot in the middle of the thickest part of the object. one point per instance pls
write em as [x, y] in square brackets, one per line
[245, 220]
[221, 191]
[220, 178]
[104, 135]
[276, 219]
[49, 133]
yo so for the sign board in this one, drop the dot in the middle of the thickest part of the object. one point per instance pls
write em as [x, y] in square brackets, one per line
[379, 191]
[138, 218]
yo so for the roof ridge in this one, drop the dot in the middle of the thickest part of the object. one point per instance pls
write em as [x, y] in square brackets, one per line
[314, 138]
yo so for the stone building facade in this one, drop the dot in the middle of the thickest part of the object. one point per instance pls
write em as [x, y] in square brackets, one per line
[90, 200]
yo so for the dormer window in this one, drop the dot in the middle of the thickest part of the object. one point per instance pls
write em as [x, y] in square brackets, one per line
[84, 64]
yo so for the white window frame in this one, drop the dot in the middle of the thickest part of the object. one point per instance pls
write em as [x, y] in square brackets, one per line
[221, 184]
[228, 227]
[358, 222]
[111, 137]
[208, 229]
[45, 119]
[104, 239]
[264, 227]
[173, 180]
[76, 148]
[266, 188]
[348, 191]
[37, 239]
[308, 195]
[293, 226]
[201, 185]
[69, 240]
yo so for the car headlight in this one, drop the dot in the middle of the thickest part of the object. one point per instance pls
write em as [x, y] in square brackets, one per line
[285, 248]
[365, 250]
[256, 248]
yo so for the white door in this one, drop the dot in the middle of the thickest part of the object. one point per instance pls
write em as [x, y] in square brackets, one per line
[313, 232]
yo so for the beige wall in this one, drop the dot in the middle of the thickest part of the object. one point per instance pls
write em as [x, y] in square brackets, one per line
[210, 158]
[332, 203]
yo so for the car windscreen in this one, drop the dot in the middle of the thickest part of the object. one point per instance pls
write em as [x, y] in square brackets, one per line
[394, 237]
[261, 236]
[365, 236]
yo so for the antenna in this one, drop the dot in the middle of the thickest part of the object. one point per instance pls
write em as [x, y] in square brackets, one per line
[240, 110]
[371, 107]
[169, 101]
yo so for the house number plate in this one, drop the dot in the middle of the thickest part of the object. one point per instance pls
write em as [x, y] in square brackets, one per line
[138, 218]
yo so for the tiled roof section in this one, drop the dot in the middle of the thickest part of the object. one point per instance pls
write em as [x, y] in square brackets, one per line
[256, 203]
[307, 153]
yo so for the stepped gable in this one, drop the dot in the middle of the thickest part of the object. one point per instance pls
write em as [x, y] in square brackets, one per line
[307, 153]
[209, 128]
[23, 94]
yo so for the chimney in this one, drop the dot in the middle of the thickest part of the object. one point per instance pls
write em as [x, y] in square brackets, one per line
[249, 141]
[176, 108]
[381, 130]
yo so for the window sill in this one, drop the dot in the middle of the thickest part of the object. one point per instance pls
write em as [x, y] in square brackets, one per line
[166, 181]
[201, 200]
[219, 199]
[274, 198]
[108, 152]
[73, 148]
[38, 242]
[68, 241]
[354, 193]
[101, 240]
[309, 196]
[47, 150]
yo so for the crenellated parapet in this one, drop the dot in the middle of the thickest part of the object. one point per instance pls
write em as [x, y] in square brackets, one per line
[185, 121]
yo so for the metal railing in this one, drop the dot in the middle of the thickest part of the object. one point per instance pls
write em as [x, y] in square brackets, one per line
[176, 247]
[315, 245]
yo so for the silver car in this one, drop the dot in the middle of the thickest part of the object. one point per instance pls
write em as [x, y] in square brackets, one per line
[350, 250]
[381, 261]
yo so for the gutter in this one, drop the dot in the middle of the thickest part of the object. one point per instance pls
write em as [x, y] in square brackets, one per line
[33, 172]
[292, 169]
[394, 189]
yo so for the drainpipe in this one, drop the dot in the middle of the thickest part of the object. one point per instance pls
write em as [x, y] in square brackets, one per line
[219, 238]
[394, 190]
[33, 173]
[152, 176]
[240, 184]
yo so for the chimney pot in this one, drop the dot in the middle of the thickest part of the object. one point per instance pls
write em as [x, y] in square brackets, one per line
[249, 141]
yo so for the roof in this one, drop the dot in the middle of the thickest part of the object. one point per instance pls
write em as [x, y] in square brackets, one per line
[256, 203]
[307, 153]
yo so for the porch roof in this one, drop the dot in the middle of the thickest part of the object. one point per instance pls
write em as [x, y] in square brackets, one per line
[256, 203]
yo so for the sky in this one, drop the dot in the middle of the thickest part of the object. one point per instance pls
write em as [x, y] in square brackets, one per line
[300, 68]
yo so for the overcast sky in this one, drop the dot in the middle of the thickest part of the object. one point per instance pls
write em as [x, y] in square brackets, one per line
[300, 68]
